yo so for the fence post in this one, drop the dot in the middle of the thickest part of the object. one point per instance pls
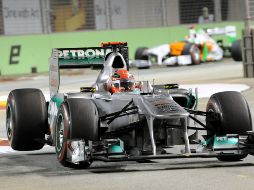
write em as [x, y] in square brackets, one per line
[217, 10]
[108, 14]
[247, 19]
[248, 45]
[45, 16]
[164, 13]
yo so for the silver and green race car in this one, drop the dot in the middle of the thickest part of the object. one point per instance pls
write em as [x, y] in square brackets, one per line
[134, 125]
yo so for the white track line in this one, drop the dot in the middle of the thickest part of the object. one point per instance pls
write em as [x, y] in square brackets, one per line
[9, 150]
[206, 90]
[6, 150]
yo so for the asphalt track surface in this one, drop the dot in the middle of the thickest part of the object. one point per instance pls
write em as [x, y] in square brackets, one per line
[40, 169]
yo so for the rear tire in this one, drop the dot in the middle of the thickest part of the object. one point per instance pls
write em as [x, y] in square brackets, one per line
[234, 117]
[236, 51]
[26, 119]
[140, 53]
[192, 50]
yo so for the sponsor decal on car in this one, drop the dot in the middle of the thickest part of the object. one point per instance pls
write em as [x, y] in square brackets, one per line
[53, 110]
[82, 56]
[89, 53]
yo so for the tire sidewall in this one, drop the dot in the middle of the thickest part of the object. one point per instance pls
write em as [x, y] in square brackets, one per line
[213, 106]
[62, 151]
[10, 109]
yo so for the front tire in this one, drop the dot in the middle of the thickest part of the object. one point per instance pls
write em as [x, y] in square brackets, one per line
[234, 117]
[62, 134]
[26, 119]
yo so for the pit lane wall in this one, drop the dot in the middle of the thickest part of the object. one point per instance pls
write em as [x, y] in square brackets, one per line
[30, 53]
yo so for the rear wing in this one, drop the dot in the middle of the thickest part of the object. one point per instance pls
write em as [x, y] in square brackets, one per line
[76, 58]
[81, 57]
[229, 31]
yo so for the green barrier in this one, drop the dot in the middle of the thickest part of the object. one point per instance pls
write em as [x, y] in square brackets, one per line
[24, 54]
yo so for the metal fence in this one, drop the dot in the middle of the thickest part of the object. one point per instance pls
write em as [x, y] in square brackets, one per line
[46, 16]
[250, 11]
[247, 42]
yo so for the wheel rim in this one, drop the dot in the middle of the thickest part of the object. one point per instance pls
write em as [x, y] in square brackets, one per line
[9, 123]
[59, 133]
[196, 55]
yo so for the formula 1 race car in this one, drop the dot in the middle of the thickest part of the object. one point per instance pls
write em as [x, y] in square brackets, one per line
[198, 47]
[176, 53]
[120, 119]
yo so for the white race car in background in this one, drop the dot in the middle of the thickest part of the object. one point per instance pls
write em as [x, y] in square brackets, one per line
[197, 47]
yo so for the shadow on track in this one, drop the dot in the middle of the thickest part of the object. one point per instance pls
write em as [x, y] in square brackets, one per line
[46, 165]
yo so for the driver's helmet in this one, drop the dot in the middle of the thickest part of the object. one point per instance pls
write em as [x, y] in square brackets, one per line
[122, 81]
